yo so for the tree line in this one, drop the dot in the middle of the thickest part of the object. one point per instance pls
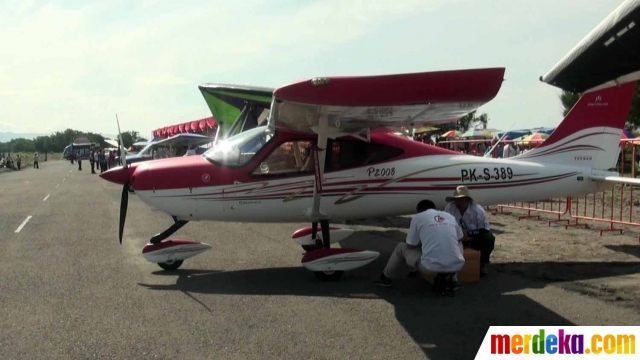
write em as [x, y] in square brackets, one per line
[57, 141]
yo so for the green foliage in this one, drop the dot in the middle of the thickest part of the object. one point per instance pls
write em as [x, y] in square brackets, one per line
[569, 99]
[56, 142]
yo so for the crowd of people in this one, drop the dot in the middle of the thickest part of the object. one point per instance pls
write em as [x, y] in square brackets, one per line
[8, 162]
[99, 159]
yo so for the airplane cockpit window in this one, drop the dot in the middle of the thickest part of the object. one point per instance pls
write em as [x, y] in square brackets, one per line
[239, 149]
[349, 154]
[290, 158]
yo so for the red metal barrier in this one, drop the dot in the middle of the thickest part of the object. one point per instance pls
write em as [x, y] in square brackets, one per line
[539, 207]
[615, 207]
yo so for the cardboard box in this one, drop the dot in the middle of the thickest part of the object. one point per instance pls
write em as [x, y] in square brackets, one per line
[470, 272]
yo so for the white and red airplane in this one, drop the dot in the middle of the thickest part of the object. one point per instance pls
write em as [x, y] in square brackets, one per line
[326, 155]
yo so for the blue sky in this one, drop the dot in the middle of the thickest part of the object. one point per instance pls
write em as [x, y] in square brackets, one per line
[74, 63]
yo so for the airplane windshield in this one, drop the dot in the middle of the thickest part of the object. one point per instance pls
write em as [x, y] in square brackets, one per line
[239, 149]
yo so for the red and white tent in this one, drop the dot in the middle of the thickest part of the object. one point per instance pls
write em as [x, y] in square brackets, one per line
[204, 126]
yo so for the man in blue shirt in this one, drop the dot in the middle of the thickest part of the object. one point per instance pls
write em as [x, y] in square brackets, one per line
[473, 221]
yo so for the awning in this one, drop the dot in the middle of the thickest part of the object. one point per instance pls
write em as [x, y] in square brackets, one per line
[609, 53]
[191, 126]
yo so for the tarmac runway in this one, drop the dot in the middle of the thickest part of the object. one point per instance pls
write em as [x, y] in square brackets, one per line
[69, 290]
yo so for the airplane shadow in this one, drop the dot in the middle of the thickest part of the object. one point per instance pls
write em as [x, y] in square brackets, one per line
[444, 328]
[398, 222]
[633, 250]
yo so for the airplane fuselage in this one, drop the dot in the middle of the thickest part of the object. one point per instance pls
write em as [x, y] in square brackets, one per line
[385, 189]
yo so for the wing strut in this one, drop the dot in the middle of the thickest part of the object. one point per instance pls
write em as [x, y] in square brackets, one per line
[319, 157]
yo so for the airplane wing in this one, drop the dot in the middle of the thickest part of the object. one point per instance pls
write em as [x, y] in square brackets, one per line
[228, 102]
[610, 51]
[354, 104]
[615, 179]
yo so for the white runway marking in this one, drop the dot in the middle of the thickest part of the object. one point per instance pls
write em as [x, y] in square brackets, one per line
[23, 224]
[57, 186]
[46, 197]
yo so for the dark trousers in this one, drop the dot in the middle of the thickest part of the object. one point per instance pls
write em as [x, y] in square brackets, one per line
[79, 164]
[36, 165]
[19, 166]
[92, 167]
[483, 243]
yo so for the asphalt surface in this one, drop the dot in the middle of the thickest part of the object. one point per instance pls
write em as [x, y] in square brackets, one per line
[69, 290]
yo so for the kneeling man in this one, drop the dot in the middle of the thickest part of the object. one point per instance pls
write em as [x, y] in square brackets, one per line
[432, 246]
[473, 220]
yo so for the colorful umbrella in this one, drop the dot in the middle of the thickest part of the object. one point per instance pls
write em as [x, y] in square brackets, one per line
[451, 133]
[477, 133]
[535, 138]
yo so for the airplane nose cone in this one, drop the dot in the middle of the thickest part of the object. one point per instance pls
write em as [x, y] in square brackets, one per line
[119, 175]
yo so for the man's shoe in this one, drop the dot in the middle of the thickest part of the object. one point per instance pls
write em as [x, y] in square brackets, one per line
[484, 269]
[456, 285]
[383, 281]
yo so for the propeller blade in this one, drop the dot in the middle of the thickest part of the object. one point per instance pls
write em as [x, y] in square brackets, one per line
[123, 155]
[124, 202]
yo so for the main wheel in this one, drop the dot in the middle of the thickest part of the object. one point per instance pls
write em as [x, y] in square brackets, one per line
[309, 248]
[174, 265]
[328, 275]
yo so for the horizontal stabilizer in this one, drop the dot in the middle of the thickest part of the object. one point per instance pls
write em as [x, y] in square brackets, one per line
[353, 104]
[615, 179]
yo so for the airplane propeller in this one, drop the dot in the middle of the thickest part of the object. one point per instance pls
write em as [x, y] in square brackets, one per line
[124, 199]
[124, 202]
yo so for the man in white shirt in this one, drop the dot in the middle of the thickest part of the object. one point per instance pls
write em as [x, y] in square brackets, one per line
[473, 220]
[508, 151]
[432, 246]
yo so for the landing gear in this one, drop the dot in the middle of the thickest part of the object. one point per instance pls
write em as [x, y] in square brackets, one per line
[323, 243]
[170, 266]
[177, 224]
[329, 264]
[309, 248]
[328, 275]
[319, 244]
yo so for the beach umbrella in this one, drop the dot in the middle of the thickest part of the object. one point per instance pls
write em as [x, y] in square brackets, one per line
[477, 133]
[451, 133]
[535, 138]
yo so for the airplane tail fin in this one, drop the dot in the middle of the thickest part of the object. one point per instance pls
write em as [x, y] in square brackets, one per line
[589, 135]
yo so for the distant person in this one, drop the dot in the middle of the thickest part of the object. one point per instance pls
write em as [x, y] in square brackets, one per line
[18, 161]
[79, 162]
[112, 159]
[92, 160]
[36, 160]
[473, 221]
[432, 246]
[190, 151]
[103, 161]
